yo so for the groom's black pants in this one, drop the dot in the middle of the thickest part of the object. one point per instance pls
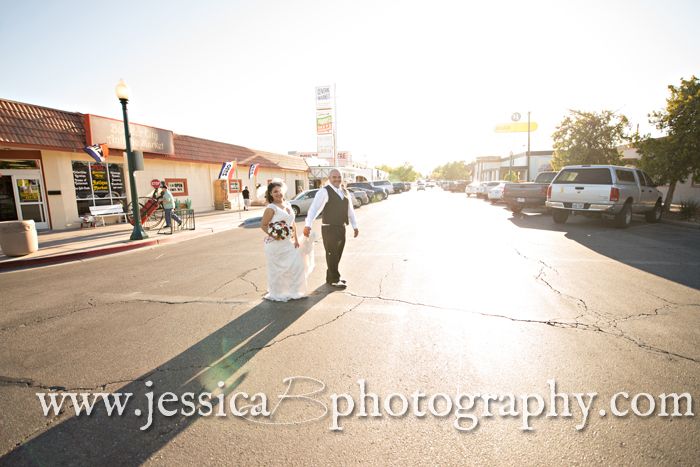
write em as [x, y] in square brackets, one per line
[333, 242]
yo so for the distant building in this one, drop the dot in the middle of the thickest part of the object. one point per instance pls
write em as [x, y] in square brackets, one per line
[487, 168]
[320, 167]
[45, 175]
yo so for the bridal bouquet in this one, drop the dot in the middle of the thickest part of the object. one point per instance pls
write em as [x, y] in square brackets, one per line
[279, 230]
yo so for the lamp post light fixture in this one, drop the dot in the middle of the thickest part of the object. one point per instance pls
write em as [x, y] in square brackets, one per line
[138, 233]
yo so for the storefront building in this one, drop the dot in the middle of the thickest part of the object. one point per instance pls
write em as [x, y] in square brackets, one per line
[46, 175]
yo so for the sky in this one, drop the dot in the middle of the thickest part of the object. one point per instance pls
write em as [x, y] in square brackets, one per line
[423, 82]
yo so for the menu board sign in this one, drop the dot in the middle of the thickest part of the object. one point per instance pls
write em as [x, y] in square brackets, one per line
[116, 179]
[100, 185]
[81, 180]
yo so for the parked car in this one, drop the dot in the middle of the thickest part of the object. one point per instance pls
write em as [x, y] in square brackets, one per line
[518, 196]
[430, 184]
[356, 203]
[371, 193]
[360, 194]
[398, 187]
[605, 190]
[458, 186]
[472, 189]
[379, 193]
[496, 193]
[420, 186]
[484, 188]
[386, 184]
[302, 202]
[406, 186]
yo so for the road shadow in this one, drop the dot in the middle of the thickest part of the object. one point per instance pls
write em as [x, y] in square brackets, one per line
[102, 440]
[664, 250]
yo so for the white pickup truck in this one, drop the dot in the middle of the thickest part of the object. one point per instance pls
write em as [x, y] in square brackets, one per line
[608, 190]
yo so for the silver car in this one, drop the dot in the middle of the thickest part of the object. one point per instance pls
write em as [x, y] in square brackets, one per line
[303, 201]
[386, 184]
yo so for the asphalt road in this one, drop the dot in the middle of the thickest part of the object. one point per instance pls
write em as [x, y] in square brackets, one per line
[448, 296]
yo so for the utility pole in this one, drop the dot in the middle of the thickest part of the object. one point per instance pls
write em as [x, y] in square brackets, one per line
[527, 157]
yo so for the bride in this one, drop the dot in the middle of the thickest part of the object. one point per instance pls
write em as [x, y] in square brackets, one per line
[288, 265]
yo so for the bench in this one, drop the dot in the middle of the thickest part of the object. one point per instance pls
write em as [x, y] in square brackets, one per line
[105, 211]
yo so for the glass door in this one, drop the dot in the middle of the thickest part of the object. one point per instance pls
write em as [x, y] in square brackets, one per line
[8, 206]
[30, 199]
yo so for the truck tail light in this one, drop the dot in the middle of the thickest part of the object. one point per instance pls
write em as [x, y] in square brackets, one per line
[614, 194]
[549, 192]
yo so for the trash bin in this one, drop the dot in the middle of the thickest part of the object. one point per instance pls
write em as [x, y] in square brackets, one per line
[18, 238]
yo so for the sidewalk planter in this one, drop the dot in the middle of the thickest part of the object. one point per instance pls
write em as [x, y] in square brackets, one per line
[18, 238]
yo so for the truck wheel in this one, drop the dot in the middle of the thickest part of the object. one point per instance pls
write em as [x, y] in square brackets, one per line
[515, 208]
[654, 215]
[624, 218]
[560, 215]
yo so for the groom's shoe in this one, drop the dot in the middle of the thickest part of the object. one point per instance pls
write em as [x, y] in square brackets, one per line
[338, 285]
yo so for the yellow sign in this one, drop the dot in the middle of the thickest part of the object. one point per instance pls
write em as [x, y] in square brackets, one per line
[515, 127]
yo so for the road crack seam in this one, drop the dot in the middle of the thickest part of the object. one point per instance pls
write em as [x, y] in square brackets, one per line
[553, 323]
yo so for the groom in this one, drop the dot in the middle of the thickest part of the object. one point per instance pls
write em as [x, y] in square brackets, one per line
[337, 208]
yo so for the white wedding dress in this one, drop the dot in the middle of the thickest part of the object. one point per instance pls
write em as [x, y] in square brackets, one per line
[287, 267]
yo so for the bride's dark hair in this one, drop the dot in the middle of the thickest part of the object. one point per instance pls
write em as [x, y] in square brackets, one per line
[270, 187]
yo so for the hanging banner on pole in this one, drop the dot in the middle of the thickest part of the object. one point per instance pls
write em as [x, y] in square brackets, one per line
[253, 170]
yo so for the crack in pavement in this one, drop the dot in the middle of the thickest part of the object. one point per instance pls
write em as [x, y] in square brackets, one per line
[538, 260]
[245, 279]
[91, 305]
[553, 323]
[381, 282]
[239, 277]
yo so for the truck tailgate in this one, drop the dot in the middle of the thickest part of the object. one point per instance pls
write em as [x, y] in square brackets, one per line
[574, 193]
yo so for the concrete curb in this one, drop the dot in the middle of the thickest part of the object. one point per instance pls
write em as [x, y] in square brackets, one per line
[74, 256]
[27, 263]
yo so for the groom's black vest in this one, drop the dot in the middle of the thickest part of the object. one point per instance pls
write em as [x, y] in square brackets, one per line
[336, 210]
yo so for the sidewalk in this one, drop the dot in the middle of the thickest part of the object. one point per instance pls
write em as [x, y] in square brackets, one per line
[70, 245]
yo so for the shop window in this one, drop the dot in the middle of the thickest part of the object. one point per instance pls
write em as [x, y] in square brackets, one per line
[98, 184]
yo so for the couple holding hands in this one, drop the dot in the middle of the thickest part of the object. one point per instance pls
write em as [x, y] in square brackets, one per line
[290, 262]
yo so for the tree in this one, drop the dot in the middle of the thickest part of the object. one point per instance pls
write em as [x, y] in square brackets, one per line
[457, 170]
[589, 138]
[402, 173]
[511, 176]
[675, 157]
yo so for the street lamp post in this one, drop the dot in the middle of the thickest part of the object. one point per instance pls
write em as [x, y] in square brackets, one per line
[138, 233]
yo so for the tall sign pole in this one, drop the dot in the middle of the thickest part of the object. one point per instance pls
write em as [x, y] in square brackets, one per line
[527, 158]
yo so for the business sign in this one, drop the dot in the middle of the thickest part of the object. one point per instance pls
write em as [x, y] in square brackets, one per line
[177, 186]
[81, 180]
[324, 97]
[515, 127]
[98, 174]
[324, 145]
[143, 138]
[234, 186]
[324, 122]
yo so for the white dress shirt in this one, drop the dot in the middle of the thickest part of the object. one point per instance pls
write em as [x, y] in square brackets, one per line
[320, 201]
